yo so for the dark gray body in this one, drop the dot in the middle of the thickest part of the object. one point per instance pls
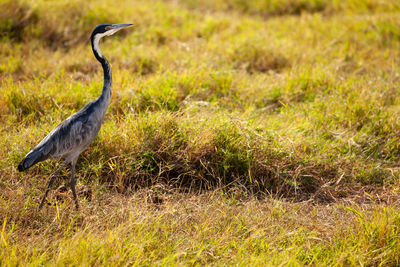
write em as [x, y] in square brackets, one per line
[74, 134]
[71, 136]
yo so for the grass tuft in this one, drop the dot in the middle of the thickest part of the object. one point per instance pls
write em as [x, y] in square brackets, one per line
[239, 133]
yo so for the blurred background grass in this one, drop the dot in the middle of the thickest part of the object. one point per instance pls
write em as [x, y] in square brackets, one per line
[293, 99]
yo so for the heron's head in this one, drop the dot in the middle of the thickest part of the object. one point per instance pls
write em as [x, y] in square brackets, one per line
[107, 29]
[104, 30]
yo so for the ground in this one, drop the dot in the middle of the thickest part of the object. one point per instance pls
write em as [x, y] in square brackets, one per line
[255, 132]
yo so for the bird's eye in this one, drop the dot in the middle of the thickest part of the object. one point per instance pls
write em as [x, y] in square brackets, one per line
[108, 28]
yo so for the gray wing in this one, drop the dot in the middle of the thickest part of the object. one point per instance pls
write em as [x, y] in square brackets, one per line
[70, 136]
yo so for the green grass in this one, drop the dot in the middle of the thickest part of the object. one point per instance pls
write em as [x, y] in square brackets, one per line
[207, 229]
[239, 132]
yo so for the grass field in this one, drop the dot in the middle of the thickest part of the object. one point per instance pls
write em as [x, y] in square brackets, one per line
[258, 132]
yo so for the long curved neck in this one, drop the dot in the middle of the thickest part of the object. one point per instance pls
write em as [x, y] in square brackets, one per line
[107, 85]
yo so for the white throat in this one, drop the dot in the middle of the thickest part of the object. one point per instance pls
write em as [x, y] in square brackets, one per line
[97, 38]
[96, 41]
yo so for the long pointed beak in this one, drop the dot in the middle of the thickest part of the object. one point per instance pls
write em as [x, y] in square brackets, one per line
[120, 26]
[116, 27]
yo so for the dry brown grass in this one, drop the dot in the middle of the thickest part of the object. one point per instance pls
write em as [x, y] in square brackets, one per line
[255, 133]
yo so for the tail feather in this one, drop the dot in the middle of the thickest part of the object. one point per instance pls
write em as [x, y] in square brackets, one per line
[31, 159]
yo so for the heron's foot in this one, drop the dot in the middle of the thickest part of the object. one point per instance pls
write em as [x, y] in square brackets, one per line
[76, 205]
[72, 185]
[42, 202]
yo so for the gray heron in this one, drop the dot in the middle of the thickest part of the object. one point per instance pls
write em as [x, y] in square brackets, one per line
[73, 135]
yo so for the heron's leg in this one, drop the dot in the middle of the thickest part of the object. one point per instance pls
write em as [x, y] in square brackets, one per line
[72, 182]
[51, 180]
